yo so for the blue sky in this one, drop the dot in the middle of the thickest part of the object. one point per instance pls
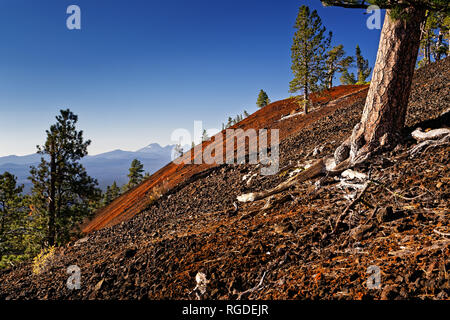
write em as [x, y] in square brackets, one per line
[138, 69]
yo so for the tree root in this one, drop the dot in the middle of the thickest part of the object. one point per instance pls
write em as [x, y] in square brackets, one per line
[322, 166]
[428, 140]
[435, 134]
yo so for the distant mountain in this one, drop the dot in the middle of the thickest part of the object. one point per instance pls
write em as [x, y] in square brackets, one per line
[155, 148]
[20, 160]
[106, 167]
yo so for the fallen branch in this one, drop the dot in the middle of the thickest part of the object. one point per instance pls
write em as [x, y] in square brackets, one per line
[395, 193]
[344, 213]
[255, 288]
[441, 233]
[316, 169]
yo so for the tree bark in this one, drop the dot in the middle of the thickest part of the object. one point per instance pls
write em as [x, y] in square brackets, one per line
[305, 99]
[51, 205]
[439, 44]
[385, 108]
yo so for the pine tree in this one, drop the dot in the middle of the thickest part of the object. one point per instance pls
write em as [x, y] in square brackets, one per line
[347, 78]
[363, 67]
[230, 122]
[10, 199]
[263, 99]
[63, 194]
[135, 175]
[112, 192]
[308, 54]
[205, 136]
[433, 43]
[442, 43]
[12, 220]
[336, 62]
[177, 151]
[246, 114]
[386, 104]
[362, 73]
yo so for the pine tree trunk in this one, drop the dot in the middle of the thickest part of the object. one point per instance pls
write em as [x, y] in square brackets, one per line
[51, 205]
[305, 98]
[385, 109]
[439, 44]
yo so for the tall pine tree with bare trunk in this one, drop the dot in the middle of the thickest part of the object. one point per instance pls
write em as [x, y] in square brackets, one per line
[309, 54]
[336, 63]
[63, 193]
[385, 109]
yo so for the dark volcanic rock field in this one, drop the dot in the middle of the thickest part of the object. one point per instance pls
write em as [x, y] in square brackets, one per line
[286, 247]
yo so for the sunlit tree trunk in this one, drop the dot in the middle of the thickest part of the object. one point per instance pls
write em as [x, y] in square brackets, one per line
[385, 109]
[305, 98]
[51, 205]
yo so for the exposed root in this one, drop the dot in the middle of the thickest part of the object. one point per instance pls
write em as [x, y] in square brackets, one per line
[428, 140]
[351, 153]
[326, 166]
[436, 134]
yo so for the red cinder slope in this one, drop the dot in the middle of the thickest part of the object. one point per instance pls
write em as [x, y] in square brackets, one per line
[137, 199]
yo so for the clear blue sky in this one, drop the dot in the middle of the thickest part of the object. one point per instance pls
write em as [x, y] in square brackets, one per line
[138, 69]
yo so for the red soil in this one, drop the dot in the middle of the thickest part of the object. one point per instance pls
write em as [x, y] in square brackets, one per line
[137, 199]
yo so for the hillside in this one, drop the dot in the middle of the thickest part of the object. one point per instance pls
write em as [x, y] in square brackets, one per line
[289, 246]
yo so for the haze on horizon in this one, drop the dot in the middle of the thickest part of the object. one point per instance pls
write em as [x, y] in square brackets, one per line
[137, 70]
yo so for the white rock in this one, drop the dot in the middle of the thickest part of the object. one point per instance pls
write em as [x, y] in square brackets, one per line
[351, 174]
[292, 173]
[202, 282]
[330, 164]
[249, 197]
[249, 181]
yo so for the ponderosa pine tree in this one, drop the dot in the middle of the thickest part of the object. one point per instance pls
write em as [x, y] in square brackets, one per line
[12, 219]
[135, 175]
[442, 43]
[362, 73]
[387, 100]
[263, 99]
[229, 123]
[363, 67]
[177, 151]
[205, 136]
[433, 42]
[308, 54]
[112, 192]
[63, 193]
[336, 63]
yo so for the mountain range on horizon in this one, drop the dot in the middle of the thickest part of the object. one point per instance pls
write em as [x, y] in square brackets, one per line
[105, 167]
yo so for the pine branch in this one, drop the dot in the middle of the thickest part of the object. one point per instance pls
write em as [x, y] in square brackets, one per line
[389, 4]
